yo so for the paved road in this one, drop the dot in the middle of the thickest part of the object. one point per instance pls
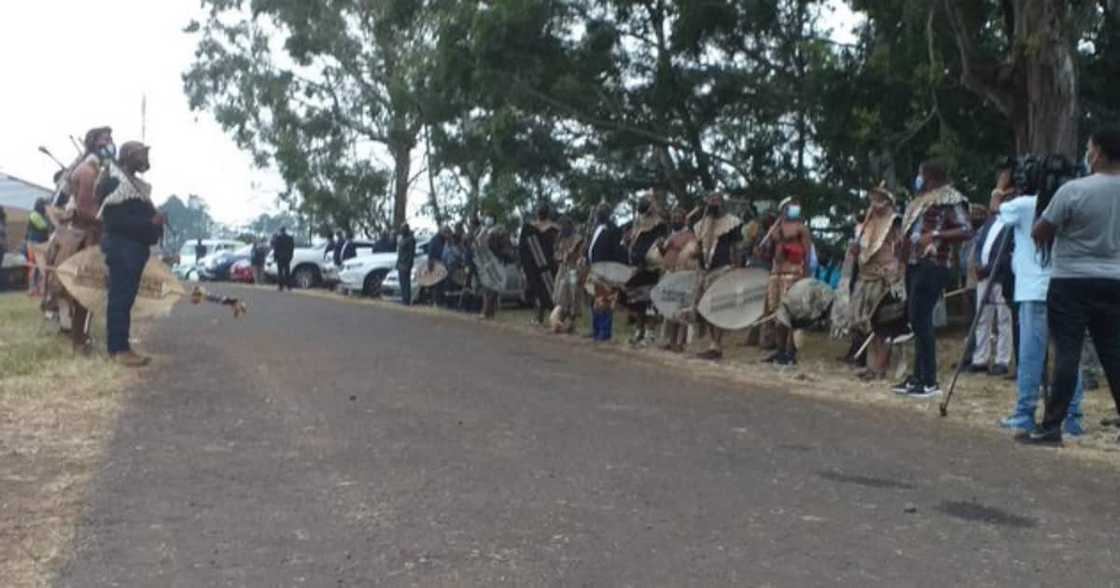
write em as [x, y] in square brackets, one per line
[322, 443]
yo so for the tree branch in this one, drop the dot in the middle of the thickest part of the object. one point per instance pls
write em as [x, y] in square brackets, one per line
[978, 77]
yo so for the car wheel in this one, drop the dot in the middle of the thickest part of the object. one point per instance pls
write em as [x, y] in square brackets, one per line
[372, 284]
[305, 277]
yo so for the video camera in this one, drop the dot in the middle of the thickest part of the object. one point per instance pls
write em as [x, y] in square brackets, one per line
[1041, 173]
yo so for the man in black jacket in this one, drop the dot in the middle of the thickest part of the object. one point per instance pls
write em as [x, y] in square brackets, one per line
[406, 255]
[131, 225]
[283, 247]
[605, 245]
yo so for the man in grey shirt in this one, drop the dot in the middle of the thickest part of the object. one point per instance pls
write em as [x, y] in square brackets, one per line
[1082, 225]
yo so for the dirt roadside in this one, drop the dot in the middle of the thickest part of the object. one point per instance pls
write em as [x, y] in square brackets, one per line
[57, 415]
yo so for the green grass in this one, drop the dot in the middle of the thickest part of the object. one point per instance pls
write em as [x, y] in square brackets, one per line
[35, 359]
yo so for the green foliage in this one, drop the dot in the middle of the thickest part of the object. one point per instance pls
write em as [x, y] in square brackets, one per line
[513, 102]
[185, 221]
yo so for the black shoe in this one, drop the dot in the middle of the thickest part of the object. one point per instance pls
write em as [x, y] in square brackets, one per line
[775, 357]
[998, 370]
[918, 391]
[975, 368]
[1039, 436]
[787, 359]
[904, 386]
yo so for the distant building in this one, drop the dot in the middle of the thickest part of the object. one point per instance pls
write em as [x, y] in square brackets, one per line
[21, 194]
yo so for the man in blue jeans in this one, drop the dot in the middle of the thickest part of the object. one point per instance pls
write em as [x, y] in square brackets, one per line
[131, 225]
[1031, 283]
[935, 220]
[1080, 230]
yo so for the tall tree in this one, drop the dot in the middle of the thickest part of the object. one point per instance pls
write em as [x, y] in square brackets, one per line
[319, 88]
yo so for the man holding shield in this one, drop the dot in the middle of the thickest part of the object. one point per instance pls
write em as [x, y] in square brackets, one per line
[717, 232]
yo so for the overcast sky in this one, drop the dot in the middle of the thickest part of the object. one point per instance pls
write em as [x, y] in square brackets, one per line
[69, 65]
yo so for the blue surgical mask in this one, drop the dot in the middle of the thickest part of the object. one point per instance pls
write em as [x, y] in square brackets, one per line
[108, 151]
[919, 183]
[793, 212]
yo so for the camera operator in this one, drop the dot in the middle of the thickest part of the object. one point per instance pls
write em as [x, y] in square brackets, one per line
[1080, 229]
[1031, 282]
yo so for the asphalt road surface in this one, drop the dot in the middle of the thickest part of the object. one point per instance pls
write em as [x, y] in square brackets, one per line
[323, 443]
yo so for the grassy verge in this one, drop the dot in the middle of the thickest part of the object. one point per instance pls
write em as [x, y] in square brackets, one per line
[56, 416]
[979, 400]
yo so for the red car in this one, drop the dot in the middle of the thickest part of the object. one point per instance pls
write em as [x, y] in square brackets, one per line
[241, 271]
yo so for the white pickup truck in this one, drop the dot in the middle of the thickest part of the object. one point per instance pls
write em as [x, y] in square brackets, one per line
[312, 266]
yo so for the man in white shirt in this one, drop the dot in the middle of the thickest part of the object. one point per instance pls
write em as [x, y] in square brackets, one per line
[995, 309]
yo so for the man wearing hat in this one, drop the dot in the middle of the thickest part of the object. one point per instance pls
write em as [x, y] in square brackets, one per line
[876, 251]
[131, 225]
[716, 234]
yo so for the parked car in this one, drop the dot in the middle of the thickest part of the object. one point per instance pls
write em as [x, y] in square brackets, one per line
[241, 271]
[365, 274]
[13, 271]
[216, 266]
[187, 266]
[312, 267]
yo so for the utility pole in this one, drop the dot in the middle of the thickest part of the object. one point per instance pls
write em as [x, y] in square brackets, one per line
[144, 118]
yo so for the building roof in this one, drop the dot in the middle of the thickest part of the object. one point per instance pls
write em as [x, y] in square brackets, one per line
[17, 193]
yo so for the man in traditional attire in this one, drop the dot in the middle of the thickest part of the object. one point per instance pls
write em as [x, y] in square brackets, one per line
[789, 246]
[717, 232]
[934, 221]
[876, 252]
[537, 246]
[678, 253]
[566, 288]
[605, 245]
[493, 241]
[81, 228]
[131, 226]
[643, 234]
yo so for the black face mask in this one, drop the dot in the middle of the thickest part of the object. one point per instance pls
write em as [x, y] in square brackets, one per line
[567, 231]
[643, 207]
[603, 218]
[712, 210]
[678, 226]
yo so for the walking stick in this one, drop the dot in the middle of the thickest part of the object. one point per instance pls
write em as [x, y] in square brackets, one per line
[944, 408]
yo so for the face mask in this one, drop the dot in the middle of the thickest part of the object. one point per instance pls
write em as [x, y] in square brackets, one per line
[108, 151]
[678, 226]
[603, 218]
[643, 207]
[919, 183]
[567, 231]
[713, 210]
[793, 212]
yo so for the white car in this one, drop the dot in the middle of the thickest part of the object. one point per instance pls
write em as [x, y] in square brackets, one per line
[187, 267]
[312, 266]
[365, 274]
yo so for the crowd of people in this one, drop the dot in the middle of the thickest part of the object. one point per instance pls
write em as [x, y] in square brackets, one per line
[1042, 266]
[1042, 259]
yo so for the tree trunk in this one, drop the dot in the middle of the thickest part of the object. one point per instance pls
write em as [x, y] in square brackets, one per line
[1035, 86]
[402, 168]
[1048, 64]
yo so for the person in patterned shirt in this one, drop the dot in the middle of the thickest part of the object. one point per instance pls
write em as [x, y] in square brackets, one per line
[934, 221]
